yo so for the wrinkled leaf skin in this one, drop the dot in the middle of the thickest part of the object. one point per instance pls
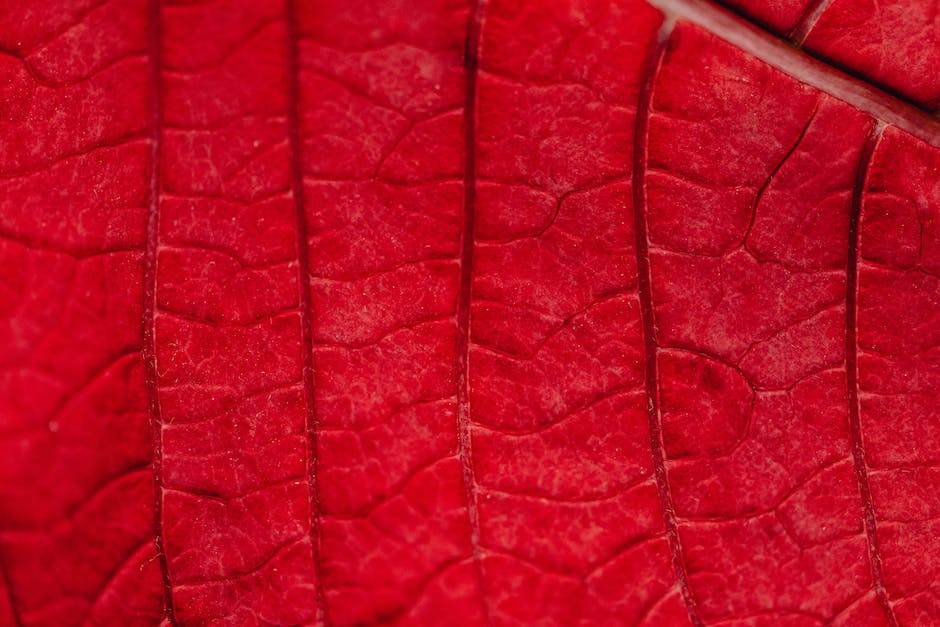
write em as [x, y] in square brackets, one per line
[456, 312]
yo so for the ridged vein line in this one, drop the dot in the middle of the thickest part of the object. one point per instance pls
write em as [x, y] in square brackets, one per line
[807, 21]
[306, 306]
[644, 280]
[851, 372]
[786, 57]
[464, 444]
[155, 51]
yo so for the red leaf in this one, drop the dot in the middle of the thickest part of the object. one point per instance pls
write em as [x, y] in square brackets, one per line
[507, 312]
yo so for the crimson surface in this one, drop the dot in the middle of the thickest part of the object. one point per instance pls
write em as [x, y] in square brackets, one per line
[506, 312]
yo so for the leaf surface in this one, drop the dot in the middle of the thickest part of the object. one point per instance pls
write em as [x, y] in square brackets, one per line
[439, 312]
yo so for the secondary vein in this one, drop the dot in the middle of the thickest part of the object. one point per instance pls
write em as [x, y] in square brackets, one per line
[851, 372]
[155, 51]
[306, 307]
[644, 281]
[464, 444]
[808, 20]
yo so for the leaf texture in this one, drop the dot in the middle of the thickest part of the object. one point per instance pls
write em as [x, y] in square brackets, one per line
[506, 312]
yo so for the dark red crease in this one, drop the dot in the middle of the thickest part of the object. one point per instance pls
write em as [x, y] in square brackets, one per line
[306, 309]
[773, 173]
[14, 611]
[646, 313]
[464, 445]
[851, 372]
[154, 43]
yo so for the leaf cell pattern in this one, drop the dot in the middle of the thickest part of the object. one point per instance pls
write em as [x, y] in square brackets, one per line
[493, 312]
